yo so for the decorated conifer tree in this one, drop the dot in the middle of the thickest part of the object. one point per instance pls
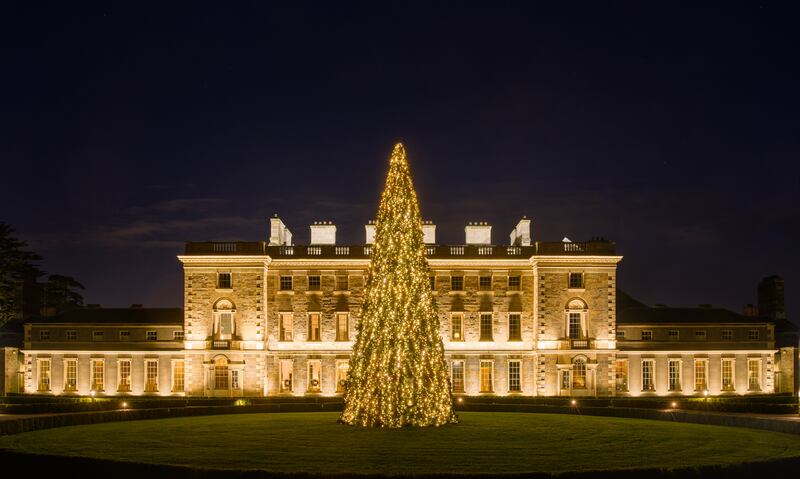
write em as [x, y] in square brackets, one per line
[398, 376]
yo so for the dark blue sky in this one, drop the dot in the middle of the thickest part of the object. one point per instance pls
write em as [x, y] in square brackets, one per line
[126, 130]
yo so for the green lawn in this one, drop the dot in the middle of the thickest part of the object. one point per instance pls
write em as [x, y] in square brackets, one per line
[482, 442]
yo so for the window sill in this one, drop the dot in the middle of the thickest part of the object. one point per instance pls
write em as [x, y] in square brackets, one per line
[313, 291]
[223, 290]
[485, 291]
[457, 292]
[513, 291]
[285, 291]
[342, 291]
[576, 290]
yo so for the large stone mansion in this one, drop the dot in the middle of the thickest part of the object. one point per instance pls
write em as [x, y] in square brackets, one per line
[269, 318]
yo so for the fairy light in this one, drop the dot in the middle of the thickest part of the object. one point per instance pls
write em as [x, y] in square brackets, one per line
[398, 376]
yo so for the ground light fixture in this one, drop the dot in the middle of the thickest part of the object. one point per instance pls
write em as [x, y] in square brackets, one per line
[674, 404]
[124, 404]
[573, 402]
[460, 400]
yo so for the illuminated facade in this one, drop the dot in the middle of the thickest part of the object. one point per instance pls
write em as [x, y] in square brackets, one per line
[528, 318]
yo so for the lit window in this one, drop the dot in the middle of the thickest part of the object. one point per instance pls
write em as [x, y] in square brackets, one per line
[177, 375]
[98, 376]
[44, 335]
[565, 382]
[753, 335]
[124, 383]
[486, 327]
[700, 374]
[287, 320]
[225, 325]
[98, 335]
[152, 335]
[575, 326]
[575, 280]
[341, 283]
[286, 283]
[486, 376]
[342, 327]
[342, 368]
[313, 327]
[754, 374]
[151, 375]
[620, 334]
[647, 335]
[70, 375]
[221, 374]
[513, 283]
[178, 336]
[648, 368]
[314, 376]
[457, 379]
[579, 374]
[456, 327]
[44, 374]
[224, 281]
[485, 283]
[727, 334]
[514, 327]
[727, 374]
[124, 335]
[72, 335]
[621, 371]
[674, 375]
[314, 283]
[287, 373]
[700, 335]
[235, 379]
[514, 384]
[457, 283]
[674, 334]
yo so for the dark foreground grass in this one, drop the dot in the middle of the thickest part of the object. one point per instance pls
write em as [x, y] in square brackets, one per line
[481, 443]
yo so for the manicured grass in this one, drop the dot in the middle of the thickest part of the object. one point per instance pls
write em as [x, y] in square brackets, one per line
[482, 442]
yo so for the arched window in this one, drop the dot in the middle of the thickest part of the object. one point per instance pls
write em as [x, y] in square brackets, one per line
[579, 373]
[221, 373]
[224, 323]
[576, 319]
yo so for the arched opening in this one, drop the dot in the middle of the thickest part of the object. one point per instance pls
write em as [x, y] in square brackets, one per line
[224, 321]
[576, 319]
[221, 373]
[579, 373]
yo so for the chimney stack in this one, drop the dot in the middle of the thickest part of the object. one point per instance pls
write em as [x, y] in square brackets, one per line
[770, 298]
[323, 232]
[370, 229]
[521, 234]
[279, 234]
[428, 232]
[478, 232]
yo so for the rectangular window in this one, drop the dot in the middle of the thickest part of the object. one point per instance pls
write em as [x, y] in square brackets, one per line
[98, 375]
[486, 327]
[700, 335]
[700, 375]
[286, 376]
[456, 327]
[647, 335]
[235, 379]
[124, 383]
[727, 374]
[43, 374]
[485, 283]
[124, 335]
[674, 375]
[153, 335]
[225, 325]
[754, 374]
[575, 326]
[575, 280]
[178, 336]
[513, 283]
[224, 281]
[753, 335]
[727, 334]
[621, 371]
[72, 335]
[150, 375]
[457, 378]
[565, 380]
[221, 376]
[286, 283]
[342, 368]
[486, 376]
[341, 283]
[313, 327]
[514, 384]
[98, 335]
[433, 283]
[178, 375]
[514, 327]
[648, 369]
[287, 320]
[674, 335]
[457, 283]
[314, 283]
[70, 375]
[44, 335]
[620, 334]
[342, 327]
[314, 376]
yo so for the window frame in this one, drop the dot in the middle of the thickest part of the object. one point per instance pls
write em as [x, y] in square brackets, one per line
[454, 381]
[224, 284]
[490, 375]
[178, 375]
[342, 335]
[151, 335]
[750, 371]
[286, 385]
[481, 281]
[310, 336]
[311, 365]
[314, 282]
[124, 335]
[651, 375]
[70, 388]
[514, 279]
[619, 373]
[731, 387]
[151, 386]
[98, 335]
[44, 375]
[677, 335]
[674, 381]
[283, 281]
[71, 335]
[341, 382]
[704, 369]
[647, 335]
[515, 334]
[124, 381]
[518, 388]
[282, 330]
[753, 335]
[457, 283]
[460, 317]
[486, 334]
[96, 384]
[575, 284]
[342, 280]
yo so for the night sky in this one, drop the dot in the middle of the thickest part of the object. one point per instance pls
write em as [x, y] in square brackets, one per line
[126, 130]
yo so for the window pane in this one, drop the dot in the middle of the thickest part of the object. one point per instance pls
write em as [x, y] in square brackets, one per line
[457, 327]
[514, 327]
[124, 376]
[286, 327]
[513, 283]
[575, 326]
[699, 375]
[458, 376]
[674, 375]
[457, 283]
[313, 327]
[579, 374]
[486, 376]
[485, 283]
[286, 283]
[342, 332]
[753, 374]
[513, 376]
[575, 280]
[71, 375]
[486, 326]
[621, 369]
[313, 283]
[224, 281]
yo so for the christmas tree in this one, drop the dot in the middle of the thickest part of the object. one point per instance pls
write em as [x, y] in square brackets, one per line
[398, 376]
